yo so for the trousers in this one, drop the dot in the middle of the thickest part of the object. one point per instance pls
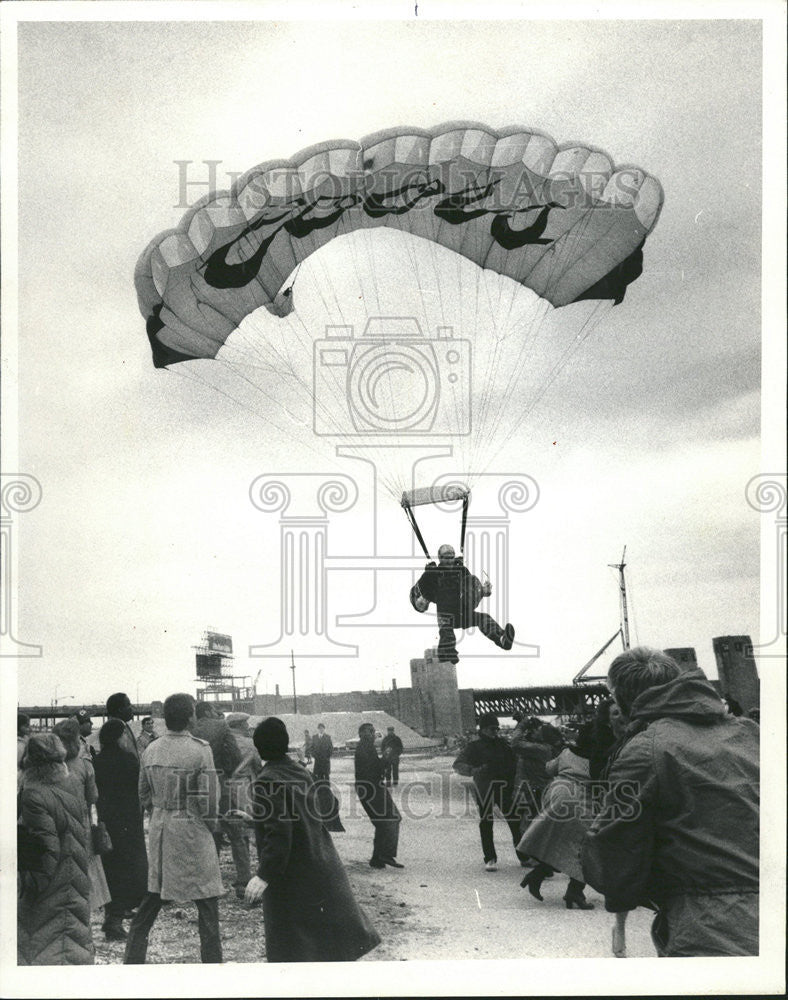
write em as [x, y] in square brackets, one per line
[385, 818]
[239, 845]
[447, 641]
[144, 919]
[391, 769]
[500, 796]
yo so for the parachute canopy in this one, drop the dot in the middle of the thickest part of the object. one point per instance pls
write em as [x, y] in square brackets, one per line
[561, 221]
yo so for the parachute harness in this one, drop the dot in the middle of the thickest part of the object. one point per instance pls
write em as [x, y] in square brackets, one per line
[415, 497]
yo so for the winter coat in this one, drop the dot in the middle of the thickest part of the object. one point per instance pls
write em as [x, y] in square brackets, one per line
[322, 748]
[128, 741]
[82, 769]
[680, 825]
[178, 781]
[555, 837]
[531, 756]
[309, 910]
[53, 915]
[369, 775]
[126, 866]
[453, 589]
[490, 762]
[226, 755]
[391, 746]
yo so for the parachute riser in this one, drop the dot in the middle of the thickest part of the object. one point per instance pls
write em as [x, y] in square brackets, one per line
[406, 506]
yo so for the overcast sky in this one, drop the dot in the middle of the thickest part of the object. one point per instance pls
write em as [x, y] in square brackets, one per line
[145, 535]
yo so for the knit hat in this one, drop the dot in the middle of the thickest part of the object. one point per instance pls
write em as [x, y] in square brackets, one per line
[44, 748]
[271, 738]
[82, 717]
[68, 732]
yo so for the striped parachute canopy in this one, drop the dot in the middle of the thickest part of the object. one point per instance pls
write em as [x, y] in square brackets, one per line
[439, 275]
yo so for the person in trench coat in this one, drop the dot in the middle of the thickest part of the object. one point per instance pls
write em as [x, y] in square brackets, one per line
[309, 911]
[178, 782]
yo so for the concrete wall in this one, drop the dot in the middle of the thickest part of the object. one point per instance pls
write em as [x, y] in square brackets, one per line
[685, 656]
[737, 671]
[433, 706]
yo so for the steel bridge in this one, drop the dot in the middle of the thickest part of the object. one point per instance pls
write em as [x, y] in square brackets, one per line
[568, 700]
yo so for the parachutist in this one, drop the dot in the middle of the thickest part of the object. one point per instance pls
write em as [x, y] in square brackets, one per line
[453, 589]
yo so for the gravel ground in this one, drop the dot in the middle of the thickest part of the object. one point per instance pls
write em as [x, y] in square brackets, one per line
[442, 905]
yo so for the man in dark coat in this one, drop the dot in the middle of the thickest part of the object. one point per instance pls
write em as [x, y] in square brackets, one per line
[322, 749]
[679, 829]
[126, 865]
[392, 751]
[375, 800]
[490, 762]
[119, 707]
[208, 725]
[309, 910]
[456, 593]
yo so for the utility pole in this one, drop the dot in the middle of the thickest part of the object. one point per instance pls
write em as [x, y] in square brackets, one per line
[622, 586]
[295, 697]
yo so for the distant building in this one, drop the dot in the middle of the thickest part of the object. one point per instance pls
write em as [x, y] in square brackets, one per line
[737, 671]
[685, 657]
[435, 684]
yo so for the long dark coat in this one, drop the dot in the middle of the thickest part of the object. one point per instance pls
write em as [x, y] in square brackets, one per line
[126, 866]
[53, 916]
[309, 910]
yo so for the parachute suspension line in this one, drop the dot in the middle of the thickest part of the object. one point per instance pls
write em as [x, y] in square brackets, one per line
[291, 370]
[539, 311]
[265, 419]
[587, 328]
[416, 530]
[465, 501]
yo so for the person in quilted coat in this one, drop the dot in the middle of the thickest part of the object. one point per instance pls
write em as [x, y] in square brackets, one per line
[53, 912]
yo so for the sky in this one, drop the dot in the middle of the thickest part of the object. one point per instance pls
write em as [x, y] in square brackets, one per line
[145, 535]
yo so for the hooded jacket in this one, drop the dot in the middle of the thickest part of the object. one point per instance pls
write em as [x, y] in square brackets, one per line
[681, 817]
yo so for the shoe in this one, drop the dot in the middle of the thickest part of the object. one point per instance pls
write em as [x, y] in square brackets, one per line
[392, 862]
[507, 639]
[533, 881]
[578, 901]
[574, 896]
[114, 931]
[491, 866]
[377, 863]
